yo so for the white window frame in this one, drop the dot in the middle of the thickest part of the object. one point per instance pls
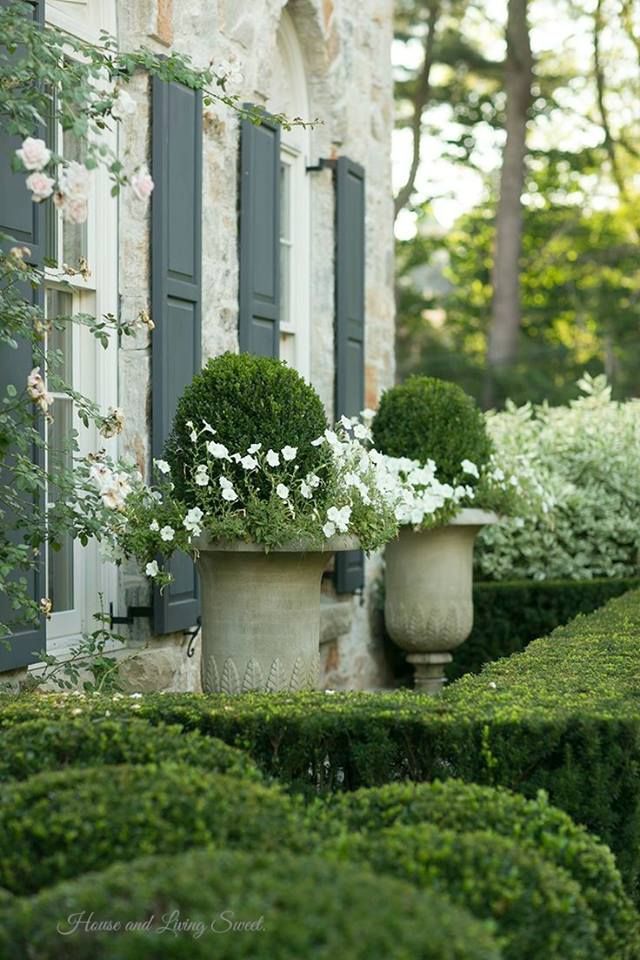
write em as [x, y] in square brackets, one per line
[294, 153]
[95, 369]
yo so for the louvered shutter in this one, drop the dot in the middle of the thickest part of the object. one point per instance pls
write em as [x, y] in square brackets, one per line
[349, 324]
[259, 227]
[176, 293]
[23, 221]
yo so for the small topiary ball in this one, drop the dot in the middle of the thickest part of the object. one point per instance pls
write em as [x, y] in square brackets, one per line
[426, 418]
[246, 400]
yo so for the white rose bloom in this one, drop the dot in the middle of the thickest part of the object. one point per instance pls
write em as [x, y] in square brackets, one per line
[34, 153]
[142, 184]
[218, 450]
[229, 494]
[40, 184]
[289, 453]
[470, 468]
[154, 526]
[152, 569]
[273, 458]
[283, 491]
[167, 533]
[123, 105]
[162, 466]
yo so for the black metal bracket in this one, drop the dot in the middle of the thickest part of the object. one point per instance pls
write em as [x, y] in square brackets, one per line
[324, 163]
[192, 634]
[132, 614]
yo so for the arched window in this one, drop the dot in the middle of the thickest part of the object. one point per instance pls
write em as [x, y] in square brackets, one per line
[289, 96]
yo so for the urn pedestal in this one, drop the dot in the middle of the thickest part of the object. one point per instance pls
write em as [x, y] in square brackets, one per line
[428, 606]
[261, 614]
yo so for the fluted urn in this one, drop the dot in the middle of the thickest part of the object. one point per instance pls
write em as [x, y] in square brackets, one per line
[428, 606]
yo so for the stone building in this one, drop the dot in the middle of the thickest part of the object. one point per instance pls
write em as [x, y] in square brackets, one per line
[206, 261]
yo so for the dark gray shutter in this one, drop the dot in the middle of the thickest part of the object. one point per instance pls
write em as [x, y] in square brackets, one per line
[23, 221]
[349, 327]
[176, 267]
[259, 227]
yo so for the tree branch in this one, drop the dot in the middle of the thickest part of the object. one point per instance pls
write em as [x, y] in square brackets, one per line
[420, 97]
[609, 142]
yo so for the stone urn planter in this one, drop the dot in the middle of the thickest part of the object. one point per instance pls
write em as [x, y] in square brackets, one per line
[261, 614]
[428, 606]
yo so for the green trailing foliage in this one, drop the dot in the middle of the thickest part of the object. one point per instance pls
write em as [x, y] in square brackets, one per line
[40, 745]
[538, 910]
[309, 908]
[429, 419]
[56, 826]
[533, 824]
[246, 400]
[507, 615]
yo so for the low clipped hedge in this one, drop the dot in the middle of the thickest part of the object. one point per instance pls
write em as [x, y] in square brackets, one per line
[533, 824]
[508, 615]
[538, 909]
[300, 907]
[39, 745]
[55, 826]
[563, 716]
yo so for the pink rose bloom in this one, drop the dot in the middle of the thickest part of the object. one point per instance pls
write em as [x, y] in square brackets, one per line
[142, 184]
[40, 185]
[34, 154]
[73, 210]
[74, 181]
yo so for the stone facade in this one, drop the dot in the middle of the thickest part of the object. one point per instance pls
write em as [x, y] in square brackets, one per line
[345, 47]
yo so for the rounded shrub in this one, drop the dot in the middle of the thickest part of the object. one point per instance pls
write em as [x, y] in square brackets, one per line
[246, 399]
[426, 418]
[55, 826]
[534, 824]
[38, 745]
[288, 908]
[538, 908]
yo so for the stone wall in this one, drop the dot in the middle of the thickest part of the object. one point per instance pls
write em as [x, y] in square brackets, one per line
[346, 48]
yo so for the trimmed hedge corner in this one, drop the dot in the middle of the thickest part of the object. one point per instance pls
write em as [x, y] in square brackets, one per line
[508, 615]
[538, 909]
[56, 826]
[532, 824]
[309, 908]
[39, 745]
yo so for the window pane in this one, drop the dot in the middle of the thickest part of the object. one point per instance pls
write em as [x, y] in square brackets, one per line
[60, 303]
[74, 235]
[60, 562]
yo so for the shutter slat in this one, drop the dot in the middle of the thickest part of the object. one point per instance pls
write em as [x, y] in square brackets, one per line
[349, 325]
[176, 299]
[259, 293]
[23, 220]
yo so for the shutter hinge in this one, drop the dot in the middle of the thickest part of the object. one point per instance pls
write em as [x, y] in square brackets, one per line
[324, 163]
[132, 614]
[192, 634]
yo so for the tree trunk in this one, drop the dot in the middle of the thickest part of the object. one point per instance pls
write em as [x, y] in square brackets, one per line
[506, 308]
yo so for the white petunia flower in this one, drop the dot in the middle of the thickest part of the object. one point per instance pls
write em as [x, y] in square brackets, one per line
[202, 476]
[162, 466]
[283, 491]
[229, 494]
[152, 569]
[361, 432]
[289, 453]
[317, 441]
[254, 448]
[273, 458]
[306, 490]
[167, 533]
[249, 462]
[154, 526]
[470, 468]
[329, 529]
[193, 436]
[218, 450]
[225, 484]
[339, 517]
[313, 480]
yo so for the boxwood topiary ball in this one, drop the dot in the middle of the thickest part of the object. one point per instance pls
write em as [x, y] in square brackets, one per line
[426, 418]
[246, 399]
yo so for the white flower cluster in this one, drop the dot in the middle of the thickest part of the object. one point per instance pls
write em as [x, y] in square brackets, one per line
[113, 486]
[578, 467]
[419, 493]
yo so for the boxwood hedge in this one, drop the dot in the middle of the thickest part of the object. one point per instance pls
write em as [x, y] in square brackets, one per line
[39, 745]
[538, 909]
[563, 715]
[55, 826]
[300, 906]
[534, 824]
